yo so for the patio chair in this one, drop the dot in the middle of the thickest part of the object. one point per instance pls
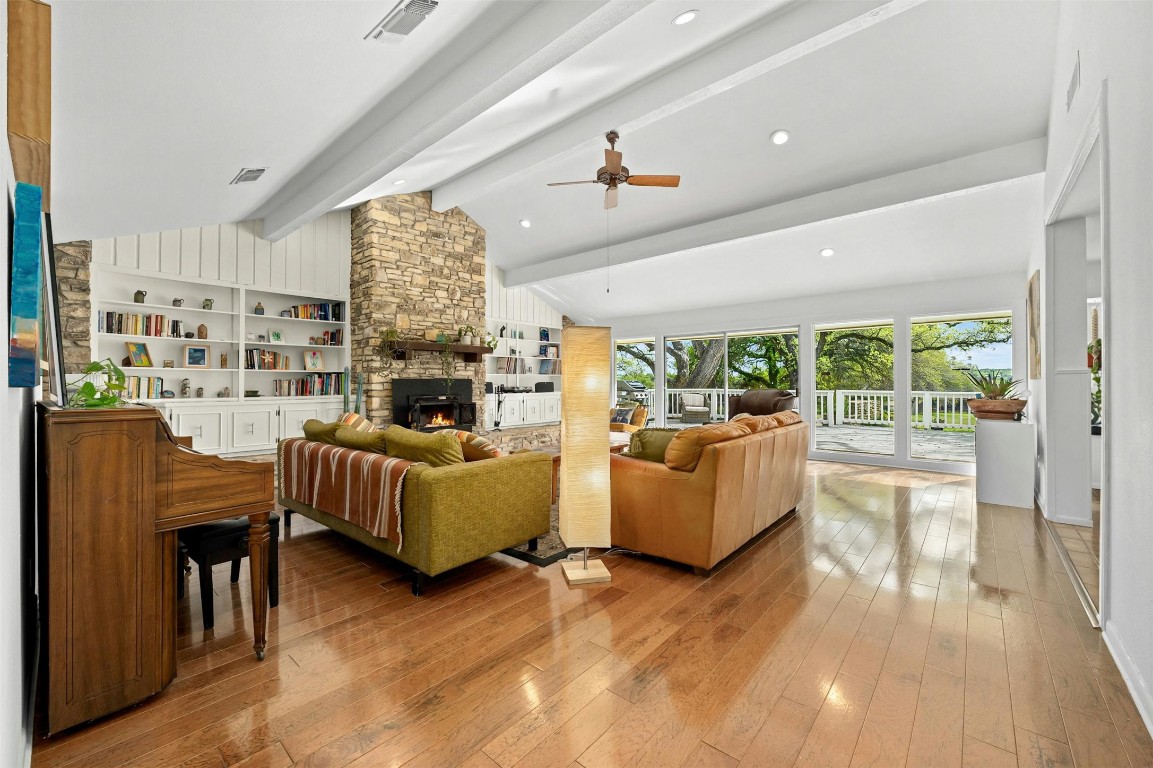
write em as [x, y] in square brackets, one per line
[693, 409]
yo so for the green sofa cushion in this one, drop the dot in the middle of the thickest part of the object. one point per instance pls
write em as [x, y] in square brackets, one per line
[350, 437]
[319, 432]
[650, 444]
[436, 449]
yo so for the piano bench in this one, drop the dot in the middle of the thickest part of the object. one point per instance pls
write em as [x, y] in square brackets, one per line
[223, 542]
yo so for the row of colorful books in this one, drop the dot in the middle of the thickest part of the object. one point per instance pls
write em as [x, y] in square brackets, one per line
[332, 311]
[328, 338]
[144, 387]
[132, 324]
[315, 384]
[512, 365]
[257, 359]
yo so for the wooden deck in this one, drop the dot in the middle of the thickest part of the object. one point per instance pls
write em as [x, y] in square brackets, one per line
[892, 621]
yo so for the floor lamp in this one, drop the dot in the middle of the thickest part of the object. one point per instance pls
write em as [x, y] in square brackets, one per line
[586, 380]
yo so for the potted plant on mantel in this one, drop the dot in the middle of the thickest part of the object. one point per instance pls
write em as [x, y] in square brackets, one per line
[997, 399]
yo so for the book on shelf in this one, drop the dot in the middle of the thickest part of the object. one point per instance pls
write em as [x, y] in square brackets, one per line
[311, 385]
[331, 311]
[509, 365]
[143, 387]
[256, 359]
[328, 339]
[549, 368]
[133, 324]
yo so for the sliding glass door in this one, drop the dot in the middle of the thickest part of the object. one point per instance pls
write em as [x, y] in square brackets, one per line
[636, 372]
[694, 380]
[854, 388]
[763, 360]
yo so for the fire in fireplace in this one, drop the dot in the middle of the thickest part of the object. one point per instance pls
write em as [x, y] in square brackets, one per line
[421, 404]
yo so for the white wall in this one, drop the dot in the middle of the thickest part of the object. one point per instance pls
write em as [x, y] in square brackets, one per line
[1112, 40]
[16, 487]
[313, 260]
[517, 304]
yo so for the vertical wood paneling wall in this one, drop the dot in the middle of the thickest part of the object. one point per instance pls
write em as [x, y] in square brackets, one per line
[518, 304]
[314, 260]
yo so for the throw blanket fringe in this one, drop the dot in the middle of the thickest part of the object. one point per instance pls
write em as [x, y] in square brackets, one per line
[363, 488]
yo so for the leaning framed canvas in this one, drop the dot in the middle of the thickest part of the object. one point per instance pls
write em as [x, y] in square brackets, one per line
[313, 361]
[25, 285]
[196, 355]
[57, 386]
[1033, 320]
[275, 336]
[138, 354]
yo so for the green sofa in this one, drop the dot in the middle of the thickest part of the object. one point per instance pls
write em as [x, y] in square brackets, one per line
[459, 513]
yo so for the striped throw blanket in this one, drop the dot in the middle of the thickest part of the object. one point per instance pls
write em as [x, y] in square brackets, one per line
[360, 487]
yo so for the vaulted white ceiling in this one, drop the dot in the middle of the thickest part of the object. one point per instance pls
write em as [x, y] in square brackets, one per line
[158, 104]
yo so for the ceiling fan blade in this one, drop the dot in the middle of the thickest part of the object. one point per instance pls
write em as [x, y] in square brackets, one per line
[611, 197]
[613, 161]
[567, 183]
[654, 181]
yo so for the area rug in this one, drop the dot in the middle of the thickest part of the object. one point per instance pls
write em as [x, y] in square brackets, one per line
[549, 548]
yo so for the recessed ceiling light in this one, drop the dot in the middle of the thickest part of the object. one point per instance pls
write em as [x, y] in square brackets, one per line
[398, 182]
[779, 137]
[525, 223]
[685, 17]
[826, 252]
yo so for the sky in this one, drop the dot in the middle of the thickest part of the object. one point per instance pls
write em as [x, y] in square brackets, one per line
[992, 356]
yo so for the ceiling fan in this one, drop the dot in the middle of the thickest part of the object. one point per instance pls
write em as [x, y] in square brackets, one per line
[612, 174]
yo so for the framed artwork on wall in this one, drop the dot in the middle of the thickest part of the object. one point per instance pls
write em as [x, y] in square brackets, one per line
[1033, 318]
[196, 355]
[275, 336]
[25, 288]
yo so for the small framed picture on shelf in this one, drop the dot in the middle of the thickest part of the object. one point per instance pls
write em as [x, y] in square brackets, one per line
[196, 355]
[275, 336]
[313, 360]
[544, 349]
[250, 336]
[544, 334]
[138, 354]
[169, 363]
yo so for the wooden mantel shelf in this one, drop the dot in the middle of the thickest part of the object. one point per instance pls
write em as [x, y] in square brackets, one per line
[470, 353]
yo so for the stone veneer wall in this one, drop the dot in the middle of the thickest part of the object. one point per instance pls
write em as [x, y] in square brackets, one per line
[74, 280]
[421, 272]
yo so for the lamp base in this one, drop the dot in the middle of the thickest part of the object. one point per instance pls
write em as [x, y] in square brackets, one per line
[575, 571]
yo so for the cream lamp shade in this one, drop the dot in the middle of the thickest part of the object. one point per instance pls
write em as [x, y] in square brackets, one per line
[583, 482]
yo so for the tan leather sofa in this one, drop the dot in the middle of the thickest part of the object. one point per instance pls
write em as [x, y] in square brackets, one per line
[740, 485]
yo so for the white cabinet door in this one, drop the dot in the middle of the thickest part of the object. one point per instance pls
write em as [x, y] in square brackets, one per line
[551, 408]
[254, 428]
[292, 418]
[489, 410]
[512, 412]
[532, 409]
[330, 412]
[204, 425]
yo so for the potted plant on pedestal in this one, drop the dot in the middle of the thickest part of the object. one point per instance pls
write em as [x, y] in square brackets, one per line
[997, 399]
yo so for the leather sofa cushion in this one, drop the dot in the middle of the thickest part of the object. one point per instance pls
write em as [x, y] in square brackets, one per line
[433, 448]
[349, 437]
[651, 444]
[319, 432]
[685, 448]
[785, 418]
[757, 423]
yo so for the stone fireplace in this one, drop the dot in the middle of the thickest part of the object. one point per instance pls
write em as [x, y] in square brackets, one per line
[423, 273]
[424, 405]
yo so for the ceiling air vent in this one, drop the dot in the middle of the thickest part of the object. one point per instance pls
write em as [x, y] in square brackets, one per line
[248, 174]
[401, 20]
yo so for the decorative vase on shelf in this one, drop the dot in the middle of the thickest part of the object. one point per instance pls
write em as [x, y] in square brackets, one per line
[207, 303]
[259, 309]
[138, 297]
[202, 331]
[178, 302]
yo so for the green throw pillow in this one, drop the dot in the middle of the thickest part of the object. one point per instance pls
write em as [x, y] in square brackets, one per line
[437, 449]
[350, 437]
[650, 444]
[319, 432]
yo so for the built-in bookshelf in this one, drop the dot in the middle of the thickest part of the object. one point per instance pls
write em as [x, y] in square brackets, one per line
[525, 354]
[255, 344]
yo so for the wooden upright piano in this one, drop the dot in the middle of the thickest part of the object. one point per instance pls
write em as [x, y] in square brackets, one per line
[115, 486]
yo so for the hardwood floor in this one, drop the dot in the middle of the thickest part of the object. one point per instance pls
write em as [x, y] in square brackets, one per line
[892, 622]
[1083, 545]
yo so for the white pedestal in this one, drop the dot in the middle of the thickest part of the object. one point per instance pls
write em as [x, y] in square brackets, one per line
[1006, 453]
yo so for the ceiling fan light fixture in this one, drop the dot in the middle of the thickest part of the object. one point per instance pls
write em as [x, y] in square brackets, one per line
[685, 18]
[779, 137]
[827, 252]
[525, 223]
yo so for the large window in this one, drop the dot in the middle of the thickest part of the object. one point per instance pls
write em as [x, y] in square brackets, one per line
[763, 360]
[944, 350]
[854, 393]
[694, 380]
[636, 372]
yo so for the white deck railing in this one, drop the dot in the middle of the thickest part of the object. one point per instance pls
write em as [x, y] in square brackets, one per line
[928, 410]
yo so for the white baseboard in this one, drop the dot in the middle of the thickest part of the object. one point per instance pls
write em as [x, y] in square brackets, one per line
[1138, 688]
[1070, 521]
